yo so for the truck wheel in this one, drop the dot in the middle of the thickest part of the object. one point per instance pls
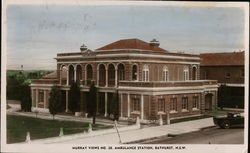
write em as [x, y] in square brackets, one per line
[226, 125]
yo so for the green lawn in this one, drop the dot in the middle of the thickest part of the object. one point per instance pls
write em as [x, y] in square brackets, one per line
[18, 126]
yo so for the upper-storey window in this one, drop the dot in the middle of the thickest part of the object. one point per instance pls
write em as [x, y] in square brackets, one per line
[194, 73]
[145, 73]
[165, 73]
[185, 72]
[134, 72]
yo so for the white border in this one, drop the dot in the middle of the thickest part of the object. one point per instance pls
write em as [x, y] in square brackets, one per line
[68, 148]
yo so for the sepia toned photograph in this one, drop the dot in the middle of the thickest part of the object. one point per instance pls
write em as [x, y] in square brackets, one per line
[124, 76]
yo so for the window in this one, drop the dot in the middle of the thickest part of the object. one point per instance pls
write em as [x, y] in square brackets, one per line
[161, 105]
[194, 73]
[184, 103]
[134, 72]
[185, 72]
[165, 73]
[145, 73]
[40, 96]
[228, 75]
[173, 104]
[136, 104]
[196, 102]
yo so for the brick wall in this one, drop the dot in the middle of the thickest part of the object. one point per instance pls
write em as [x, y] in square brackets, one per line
[219, 73]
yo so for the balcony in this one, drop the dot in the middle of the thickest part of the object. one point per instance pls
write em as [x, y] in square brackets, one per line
[167, 84]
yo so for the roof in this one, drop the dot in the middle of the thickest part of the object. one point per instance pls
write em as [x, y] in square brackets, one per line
[222, 59]
[50, 75]
[132, 44]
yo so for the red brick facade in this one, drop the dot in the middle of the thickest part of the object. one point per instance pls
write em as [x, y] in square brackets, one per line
[159, 76]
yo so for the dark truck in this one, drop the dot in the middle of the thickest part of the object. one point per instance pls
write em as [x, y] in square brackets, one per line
[231, 119]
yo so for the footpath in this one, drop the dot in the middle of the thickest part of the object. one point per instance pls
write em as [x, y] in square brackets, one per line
[127, 133]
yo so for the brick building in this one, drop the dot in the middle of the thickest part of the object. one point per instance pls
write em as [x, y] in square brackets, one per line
[228, 69]
[151, 81]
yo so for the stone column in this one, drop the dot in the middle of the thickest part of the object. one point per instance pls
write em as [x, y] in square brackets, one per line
[44, 98]
[106, 77]
[116, 77]
[67, 76]
[97, 79]
[142, 106]
[128, 105]
[60, 76]
[106, 104]
[67, 101]
[75, 74]
[37, 97]
[121, 106]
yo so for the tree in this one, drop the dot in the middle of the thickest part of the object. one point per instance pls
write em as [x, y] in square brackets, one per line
[26, 97]
[92, 102]
[115, 105]
[74, 96]
[55, 100]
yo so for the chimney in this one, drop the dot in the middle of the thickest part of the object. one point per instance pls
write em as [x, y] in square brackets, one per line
[83, 48]
[154, 43]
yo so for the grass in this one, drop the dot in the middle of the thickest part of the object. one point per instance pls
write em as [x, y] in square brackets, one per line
[18, 126]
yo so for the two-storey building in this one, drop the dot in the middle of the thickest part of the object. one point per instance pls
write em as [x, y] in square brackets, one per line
[151, 81]
[228, 69]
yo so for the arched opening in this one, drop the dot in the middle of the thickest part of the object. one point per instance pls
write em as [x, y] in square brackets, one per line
[71, 74]
[165, 73]
[208, 102]
[145, 73]
[111, 75]
[78, 73]
[121, 72]
[102, 75]
[89, 74]
[134, 72]
[63, 74]
[194, 73]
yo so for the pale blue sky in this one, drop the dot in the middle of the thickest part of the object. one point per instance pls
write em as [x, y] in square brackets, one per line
[35, 34]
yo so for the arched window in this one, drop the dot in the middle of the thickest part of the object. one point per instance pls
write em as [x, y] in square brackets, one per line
[134, 72]
[194, 73]
[121, 72]
[111, 75]
[78, 72]
[145, 73]
[63, 74]
[186, 73]
[102, 75]
[71, 74]
[89, 73]
[165, 74]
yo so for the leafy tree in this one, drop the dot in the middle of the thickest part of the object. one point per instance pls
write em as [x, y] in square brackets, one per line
[115, 105]
[92, 102]
[55, 100]
[74, 96]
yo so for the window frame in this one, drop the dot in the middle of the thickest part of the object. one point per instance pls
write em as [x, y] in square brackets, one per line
[161, 105]
[184, 104]
[173, 104]
[145, 73]
[195, 104]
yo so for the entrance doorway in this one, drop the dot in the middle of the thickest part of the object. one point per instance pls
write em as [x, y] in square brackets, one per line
[208, 102]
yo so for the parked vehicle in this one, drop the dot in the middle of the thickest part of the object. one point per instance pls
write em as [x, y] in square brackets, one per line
[230, 120]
